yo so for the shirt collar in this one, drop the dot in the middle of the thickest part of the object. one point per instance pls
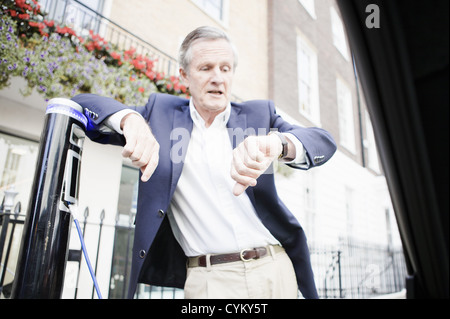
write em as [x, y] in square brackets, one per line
[220, 120]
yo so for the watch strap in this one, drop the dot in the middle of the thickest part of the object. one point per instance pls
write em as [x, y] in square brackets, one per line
[284, 143]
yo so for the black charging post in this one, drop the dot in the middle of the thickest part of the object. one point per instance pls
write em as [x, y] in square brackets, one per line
[44, 247]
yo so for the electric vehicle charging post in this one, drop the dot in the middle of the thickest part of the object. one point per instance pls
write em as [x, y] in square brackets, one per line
[44, 247]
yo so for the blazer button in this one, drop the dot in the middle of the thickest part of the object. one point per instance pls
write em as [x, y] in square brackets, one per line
[161, 213]
[142, 254]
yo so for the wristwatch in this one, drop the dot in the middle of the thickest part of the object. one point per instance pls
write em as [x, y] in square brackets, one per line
[284, 143]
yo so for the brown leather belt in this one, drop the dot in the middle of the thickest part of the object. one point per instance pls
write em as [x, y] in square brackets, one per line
[244, 255]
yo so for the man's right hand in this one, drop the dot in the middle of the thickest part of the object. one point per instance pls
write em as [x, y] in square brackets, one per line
[141, 146]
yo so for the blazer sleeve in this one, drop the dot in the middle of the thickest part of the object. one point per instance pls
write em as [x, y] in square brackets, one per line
[97, 109]
[318, 143]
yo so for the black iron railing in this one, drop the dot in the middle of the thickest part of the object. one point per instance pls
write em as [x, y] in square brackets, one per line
[11, 227]
[11, 224]
[354, 270]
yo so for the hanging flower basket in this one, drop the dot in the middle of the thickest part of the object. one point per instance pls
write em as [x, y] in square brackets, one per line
[57, 62]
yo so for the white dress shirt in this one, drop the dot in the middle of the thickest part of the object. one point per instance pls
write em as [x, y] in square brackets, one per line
[205, 216]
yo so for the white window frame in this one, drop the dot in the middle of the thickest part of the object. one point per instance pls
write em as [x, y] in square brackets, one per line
[225, 11]
[309, 6]
[18, 157]
[346, 116]
[349, 210]
[339, 35]
[310, 203]
[308, 80]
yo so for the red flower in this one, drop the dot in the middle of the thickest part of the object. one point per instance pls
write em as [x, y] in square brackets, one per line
[115, 55]
[65, 30]
[139, 66]
[23, 5]
[39, 25]
[151, 75]
[24, 16]
[90, 46]
[129, 53]
[37, 7]
[141, 89]
[71, 31]
[20, 3]
[49, 24]
[159, 76]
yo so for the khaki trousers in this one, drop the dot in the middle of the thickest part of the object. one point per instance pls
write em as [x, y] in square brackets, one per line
[271, 277]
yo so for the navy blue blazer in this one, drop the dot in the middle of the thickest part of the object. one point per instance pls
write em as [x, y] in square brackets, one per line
[157, 257]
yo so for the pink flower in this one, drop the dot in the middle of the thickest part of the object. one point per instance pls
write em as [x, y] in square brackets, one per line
[151, 75]
[160, 76]
[49, 24]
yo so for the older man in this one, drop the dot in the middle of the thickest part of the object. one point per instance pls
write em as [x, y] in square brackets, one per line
[209, 219]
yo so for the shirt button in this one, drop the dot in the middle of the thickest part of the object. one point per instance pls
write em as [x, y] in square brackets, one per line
[161, 213]
[142, 254]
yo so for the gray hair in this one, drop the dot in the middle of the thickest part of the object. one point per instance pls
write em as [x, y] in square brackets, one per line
[202, 33]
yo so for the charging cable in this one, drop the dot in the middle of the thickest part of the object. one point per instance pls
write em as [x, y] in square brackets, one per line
[74, 212]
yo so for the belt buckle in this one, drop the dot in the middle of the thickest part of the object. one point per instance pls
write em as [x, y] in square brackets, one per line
[241, 255]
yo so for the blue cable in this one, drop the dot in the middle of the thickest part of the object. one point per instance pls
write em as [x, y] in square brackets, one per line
[86, 257]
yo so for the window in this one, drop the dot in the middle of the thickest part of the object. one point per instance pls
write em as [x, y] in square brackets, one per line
[309, 7]
[372, 152]
[310, 207]
[123, 241]
[308, 82]
[339, 37]
[214, 8]
[17, 166]
[349, 210]
[345, 111]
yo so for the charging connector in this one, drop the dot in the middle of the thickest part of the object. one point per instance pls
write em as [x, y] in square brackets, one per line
[74, 212]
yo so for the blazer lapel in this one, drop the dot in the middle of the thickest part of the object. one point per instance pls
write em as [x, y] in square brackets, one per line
[236, 125]
[237, 130]
[180, 137]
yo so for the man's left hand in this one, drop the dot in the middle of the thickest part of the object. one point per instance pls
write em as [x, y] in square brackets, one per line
[252, 158]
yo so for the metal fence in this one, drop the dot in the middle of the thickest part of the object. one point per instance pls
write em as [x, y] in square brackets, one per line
[356, 270]
[353, 270]
[11, 225]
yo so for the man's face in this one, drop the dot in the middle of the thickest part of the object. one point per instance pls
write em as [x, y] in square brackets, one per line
[210, 75]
